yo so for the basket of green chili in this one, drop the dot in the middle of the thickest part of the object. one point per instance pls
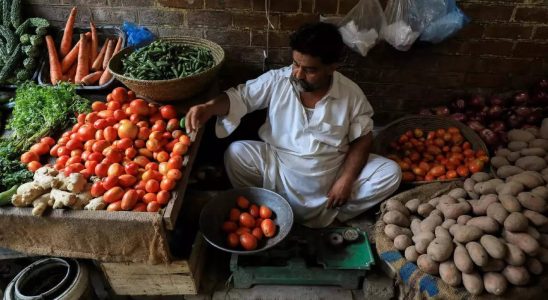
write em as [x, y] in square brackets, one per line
[168, 69]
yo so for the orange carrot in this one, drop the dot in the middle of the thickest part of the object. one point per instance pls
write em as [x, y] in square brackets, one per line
[66, 41]
[71, 57]
[98, 63]
[71, 73]
[89, 52]
[94, 42]
[92, 78]
[55, 72]
[108, 54]
[105, 77]
[118, 46]
[82, 67]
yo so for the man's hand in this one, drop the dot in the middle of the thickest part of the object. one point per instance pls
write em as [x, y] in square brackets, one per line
[196, 117]
[340, 192]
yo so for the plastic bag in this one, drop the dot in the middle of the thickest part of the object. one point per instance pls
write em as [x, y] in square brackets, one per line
[360, 28]
[446, 25]
[405, 23]
[137, 36]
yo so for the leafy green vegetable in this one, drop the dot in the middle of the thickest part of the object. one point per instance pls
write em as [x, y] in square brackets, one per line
[13, 172]
[43, 110]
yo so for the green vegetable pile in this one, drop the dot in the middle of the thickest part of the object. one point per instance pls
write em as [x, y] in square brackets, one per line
[163, 60]
[20, 43]
[39, 111]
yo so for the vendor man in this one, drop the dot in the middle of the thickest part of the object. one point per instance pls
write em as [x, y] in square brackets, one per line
[316, 138]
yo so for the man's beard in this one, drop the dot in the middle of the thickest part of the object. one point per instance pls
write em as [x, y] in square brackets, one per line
[302, 85]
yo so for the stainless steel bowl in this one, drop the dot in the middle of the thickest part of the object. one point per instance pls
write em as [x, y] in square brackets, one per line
[216, 211]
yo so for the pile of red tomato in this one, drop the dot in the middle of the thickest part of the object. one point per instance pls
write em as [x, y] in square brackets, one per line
[247, 224]
[136, 149]
[438, 155]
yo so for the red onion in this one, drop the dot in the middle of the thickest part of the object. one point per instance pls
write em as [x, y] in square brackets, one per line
[442, 111]
[496, 100]
[521, 98]
[458, 105]
[535, 117]
[497, 126]
[425, 112]
[477, 101]
[459, 117]
[475, 125]
[495, 111]
[523, 111]
[489, 136]
[514, 121]
[543, 84]
[503, 137]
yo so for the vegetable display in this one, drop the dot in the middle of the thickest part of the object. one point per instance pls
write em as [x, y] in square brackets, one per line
[436, 155]
[247, 224]
[80, 63]
[130, 151]
[491, 233]
[492, 117]
[163, 60]
[20, 43]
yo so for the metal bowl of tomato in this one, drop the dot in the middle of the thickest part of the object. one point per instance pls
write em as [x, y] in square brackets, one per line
[231, 204]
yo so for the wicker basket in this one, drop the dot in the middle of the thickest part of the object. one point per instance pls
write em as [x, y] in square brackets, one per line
[393, 130]
[171, 89]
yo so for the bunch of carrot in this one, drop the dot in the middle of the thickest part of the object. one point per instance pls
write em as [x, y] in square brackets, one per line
[81, 63]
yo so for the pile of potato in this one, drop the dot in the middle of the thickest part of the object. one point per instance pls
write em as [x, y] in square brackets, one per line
[491, 233]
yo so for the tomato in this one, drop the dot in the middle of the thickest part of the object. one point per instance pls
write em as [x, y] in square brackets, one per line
[127, 180]
[257, 233]
[156, 135]
[114, 105]
[115, 206]
[34, 165]
[164, 169]
[139, 144]
[174, 174]
[451, 174]
[408, 176]
[180, 148]
[457, 139]
[97, 189]
[172, 125]
[167, 184]
[185, 139]
[242, 230]
[447, 137]
[254, 210]
[152, 186]
[113, 155]
[29, 156]
[466, 145]
[101, 170]
[463, 171]
[99, 135]
[149, 197]
[234, 215]
[153, 145]
[229, 227]
[404, 166]
[144, 133]
[40, 149]
[145, 152]
[86, 132]
[247, 220]
[92, 117]
[81, 118]
[429, 177]
[450, 166]
[419, 171]
[98, 106]
[153, 206]
[130, 152]
[265, 212]
[439, 142]
[163, 197]
[139, 106]
[468, 153]
[128, 130]
[268, 227]
[113, 194]
[140, 207]
[258, 222]
[119, 94]
[159, 125]
[176, 162]
[176, 134]
[129, 199]
[141, 161]
[119, 115]
[242, 202]
[162, 156]
[445, 149]
[74, 160]
[115, 170]
[233, 240]
[90, 166]
[131, 168]
[110, 134]
[424, 165]
[131, 95]
[437, 171]
[248, 241]
[475, 166]
[168, 112]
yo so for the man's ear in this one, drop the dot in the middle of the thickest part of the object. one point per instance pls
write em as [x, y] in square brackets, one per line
[332, 67]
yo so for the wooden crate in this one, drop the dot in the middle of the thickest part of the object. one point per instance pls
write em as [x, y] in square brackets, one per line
[181, 277]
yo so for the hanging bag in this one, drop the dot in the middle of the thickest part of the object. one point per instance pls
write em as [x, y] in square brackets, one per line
[404, 24]
[445, 25]
[361, 27]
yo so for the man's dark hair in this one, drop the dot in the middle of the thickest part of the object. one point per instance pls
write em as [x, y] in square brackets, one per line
[320, 39]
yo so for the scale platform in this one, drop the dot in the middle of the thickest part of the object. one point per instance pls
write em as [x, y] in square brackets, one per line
[329, 256]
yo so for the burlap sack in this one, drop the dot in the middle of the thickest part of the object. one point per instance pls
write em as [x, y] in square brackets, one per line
[420, 285]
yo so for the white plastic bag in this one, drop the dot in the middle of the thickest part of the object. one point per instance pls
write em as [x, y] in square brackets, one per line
[404, 23]
[360, 28]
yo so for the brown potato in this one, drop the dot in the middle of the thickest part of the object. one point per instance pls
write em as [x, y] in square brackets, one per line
[416, 226]
[479, 207]
[541, 192]
[494, 265]
[531, 163]
[520, 135]
[516, 275]
[516, 222]
[509, 202]
[412, 205]
[427, 265]
[401, 242]
[457, 193]
[534, 151]
[529, 179]
[448, 223]
[534, 266]
[392, 231]
[466, 233]
[411, 253]
[511, 188]
[462, 259]
[488, 187]
[440, 249]
[485, 223]
[514, 255]
[450, 274]
[524, 241]
[495, 283]
[453, 211]
[543, 240]
[430, 223]
[422, 241]
[538, 143]
[509, 170]
[462, 220]
[392, 204]
[532, 202]
[477, 254]
[536, 218]
[516, 146]
[493, 247]
[469, 185]
[425, 209]
[397, 218]
[441, 232]
[473, 283]
[499, 161]
[480, 177]
[496, 211]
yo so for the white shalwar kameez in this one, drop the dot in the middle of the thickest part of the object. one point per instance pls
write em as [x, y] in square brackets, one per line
[300, 158]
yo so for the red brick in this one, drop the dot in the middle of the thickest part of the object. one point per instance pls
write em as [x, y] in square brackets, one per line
[244, 54]
[86, 2]
[501, 65]
[229, 4]
[137, 3]
[307, 6]
[175, 31]
[541, 33]
[326, 7]
[293, 22]
[454, 63]
[160, 16]
[508, 31]
[228, 37]
[209, 18]
[483, 12]
[500, 48]
[484, 80]
[113, 16]
[532, 14]
[52, 13]
[449, 47]
[531, 49]
[277, 5]
[182, 3]
[280, 56]
[470, 31]
[346, 5]
[254, 20]
[276, 38]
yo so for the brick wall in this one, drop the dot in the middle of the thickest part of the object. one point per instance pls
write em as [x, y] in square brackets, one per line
[505, 47]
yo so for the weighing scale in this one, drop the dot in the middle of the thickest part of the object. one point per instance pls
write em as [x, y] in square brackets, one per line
[330, 256]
